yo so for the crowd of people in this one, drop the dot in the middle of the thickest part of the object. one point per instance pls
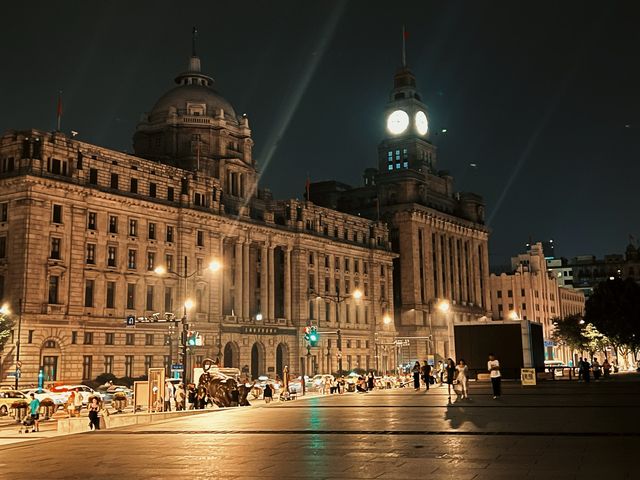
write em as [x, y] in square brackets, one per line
[454, 376]
[586, 369]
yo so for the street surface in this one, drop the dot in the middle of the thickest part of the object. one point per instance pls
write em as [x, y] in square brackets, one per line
[557, 430]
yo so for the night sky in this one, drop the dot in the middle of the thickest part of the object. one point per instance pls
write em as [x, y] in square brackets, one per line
[542, 96]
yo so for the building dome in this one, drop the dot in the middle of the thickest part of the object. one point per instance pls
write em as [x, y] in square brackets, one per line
[191, 93]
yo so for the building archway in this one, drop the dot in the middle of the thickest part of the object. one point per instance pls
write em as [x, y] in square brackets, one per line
[257, 360]
[282, 358]
[231, 357]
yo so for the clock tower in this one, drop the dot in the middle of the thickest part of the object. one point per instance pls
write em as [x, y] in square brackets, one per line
[406, 145]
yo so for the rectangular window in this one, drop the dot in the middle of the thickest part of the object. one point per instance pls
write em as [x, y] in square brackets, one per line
[87, 361]
[153, 188]
[55, 249]
[131, 264]
[168, 259]
[522, 292]
[30, 336]
[148, 339]
[57, 214]
[169, 234]
[133, 228]
[170, 194]
[510, 293]
[151, 260]
[88, 338]
[93, 176]
[112, 255]
[347, 264]
[111, 294]
[168, 299]
[130, 339]
[152, 231]
[91, 254]
[3, 247]
[134, 185]
[150, 292]
[88, 292]
[4, 211]
[54, 284]
[114, 180]
[108, 338]
[499, 293]
[128, 366]
[92, 221]
[200, 238]
[108, 364]
[131, 296]
[113, 224]
[74, 338]
[148, 362]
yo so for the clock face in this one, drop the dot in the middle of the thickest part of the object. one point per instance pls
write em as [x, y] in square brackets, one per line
[397, 122]
[422, 124]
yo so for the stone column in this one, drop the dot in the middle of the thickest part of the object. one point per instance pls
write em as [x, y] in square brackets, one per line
[245, 280]
[271, 283]
[456, 271]
[287, 283]
[463, 273]
[238, 303]
[264, 281]
[438, 287]
[219, 281]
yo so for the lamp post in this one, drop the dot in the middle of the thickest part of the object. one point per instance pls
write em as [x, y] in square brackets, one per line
[6, 311]
[214, 266]
[338, 299]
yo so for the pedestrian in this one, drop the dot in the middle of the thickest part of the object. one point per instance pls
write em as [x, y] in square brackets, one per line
[268, 393]
[595, 366]
[606, 368]
[451, 373]
[586, 370]
[168, 395]
[370, 381]
[580, 369]
[462, 376]
[71, 404]
[440, 372]
[77, 403]
[180, 397]
[191, 396]
[34, 411]
[328, 385]
[426, 374]
[493, 365]
[416, 376]
[94, 408]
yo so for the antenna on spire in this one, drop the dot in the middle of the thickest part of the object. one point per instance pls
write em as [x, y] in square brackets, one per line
[194, 35]
[404, 47]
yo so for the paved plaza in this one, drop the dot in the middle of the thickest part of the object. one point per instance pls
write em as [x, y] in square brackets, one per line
[557, 430]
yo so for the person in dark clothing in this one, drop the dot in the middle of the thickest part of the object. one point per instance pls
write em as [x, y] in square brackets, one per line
[586, 370]
[192, 396]
[94, 419]
[416, 375]
[268, 393]
[370, 381]
[426, 374]
[450, 370]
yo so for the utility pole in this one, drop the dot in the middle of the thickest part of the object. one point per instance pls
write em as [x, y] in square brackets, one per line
[18, 344]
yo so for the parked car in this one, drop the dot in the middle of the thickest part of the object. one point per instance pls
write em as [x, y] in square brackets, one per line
[318, 381]
[85, 392]
[59, 398]
[7, 397]
[108, 392]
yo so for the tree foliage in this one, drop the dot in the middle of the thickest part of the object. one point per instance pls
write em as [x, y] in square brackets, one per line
[614, 310]
[569, 331]
[6, 324]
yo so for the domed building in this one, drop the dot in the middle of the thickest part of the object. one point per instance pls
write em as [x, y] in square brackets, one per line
[195, 128]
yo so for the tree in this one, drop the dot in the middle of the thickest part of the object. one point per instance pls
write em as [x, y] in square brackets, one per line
[594, 340]
[569, 331]
[6, 324]
[614, 310]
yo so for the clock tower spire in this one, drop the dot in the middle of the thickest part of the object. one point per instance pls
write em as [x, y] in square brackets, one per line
[407, 142]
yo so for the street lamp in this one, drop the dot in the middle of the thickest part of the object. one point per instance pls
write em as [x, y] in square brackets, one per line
[444, 306]
[5, 310]
[386, 319]
[214, 266]
[338, 299]
[513, 315]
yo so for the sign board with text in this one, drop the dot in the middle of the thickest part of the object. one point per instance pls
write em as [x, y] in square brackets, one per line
[528, 376]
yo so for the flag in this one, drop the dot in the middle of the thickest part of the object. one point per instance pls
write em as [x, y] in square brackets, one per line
[59, 111]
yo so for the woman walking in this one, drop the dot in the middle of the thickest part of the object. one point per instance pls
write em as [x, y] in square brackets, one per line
[94, 408]
[416, 376]
[463, 378]
[450, 370]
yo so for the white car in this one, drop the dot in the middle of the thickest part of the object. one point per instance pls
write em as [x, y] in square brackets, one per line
[85, 392]
[59, 398]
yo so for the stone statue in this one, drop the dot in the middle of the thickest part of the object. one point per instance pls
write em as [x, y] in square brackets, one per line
[223, 390]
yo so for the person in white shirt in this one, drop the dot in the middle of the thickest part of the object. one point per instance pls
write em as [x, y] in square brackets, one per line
[493, 365]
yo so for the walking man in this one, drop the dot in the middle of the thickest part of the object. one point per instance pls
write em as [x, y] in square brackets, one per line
[34, 410]
[493, 365]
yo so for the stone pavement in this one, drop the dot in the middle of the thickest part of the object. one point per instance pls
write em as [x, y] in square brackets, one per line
[557, 430]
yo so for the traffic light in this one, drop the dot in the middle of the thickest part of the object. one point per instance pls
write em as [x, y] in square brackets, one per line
[313, 337]
[307, 334]
[192, 338]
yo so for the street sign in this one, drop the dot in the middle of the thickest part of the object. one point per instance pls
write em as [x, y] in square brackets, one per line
[402, 343]
[177, 366]
[131, 321]
[18, 364]
[549, 343]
